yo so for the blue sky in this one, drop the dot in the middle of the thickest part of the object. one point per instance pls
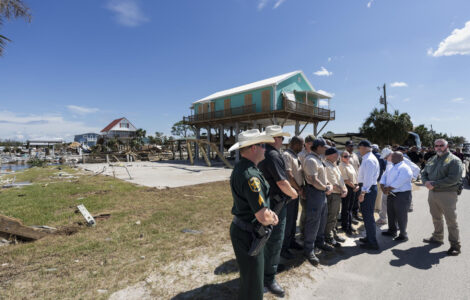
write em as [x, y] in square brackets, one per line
[80, 64]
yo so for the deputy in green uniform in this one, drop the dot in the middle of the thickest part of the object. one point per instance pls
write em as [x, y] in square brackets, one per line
[250, 192]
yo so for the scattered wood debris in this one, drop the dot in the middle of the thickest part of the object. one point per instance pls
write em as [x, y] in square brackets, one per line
[102, 216]
[15, 227]
[13, 183]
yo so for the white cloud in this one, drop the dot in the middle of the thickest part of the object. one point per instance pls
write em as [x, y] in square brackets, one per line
[329, 59]
[262, 4]
[457, 100]
[323, 72]
[81, 109]
[127, 12]
[47, 126]
[398, 84]
[456, 43]
[278, 3]
[369, 4]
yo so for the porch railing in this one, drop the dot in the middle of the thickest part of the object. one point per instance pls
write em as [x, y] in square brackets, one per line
[287, 106]
[308, 110]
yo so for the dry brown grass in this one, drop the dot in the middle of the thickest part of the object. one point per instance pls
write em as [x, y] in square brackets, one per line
[117, 252]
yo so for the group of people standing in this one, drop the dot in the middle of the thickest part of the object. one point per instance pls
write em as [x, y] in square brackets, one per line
[326, 183]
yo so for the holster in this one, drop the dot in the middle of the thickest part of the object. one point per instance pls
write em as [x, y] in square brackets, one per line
[259, 232]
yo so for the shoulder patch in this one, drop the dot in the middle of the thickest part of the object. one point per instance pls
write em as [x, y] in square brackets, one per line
[255, 184]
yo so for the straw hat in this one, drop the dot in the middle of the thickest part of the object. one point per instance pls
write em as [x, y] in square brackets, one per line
[275, 130]
[250, 137]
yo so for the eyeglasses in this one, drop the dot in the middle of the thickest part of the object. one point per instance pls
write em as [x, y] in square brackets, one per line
[260, 145]
[439, 146]
[346, 156]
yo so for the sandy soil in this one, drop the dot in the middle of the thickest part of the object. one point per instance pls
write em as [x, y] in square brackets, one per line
[161, 174]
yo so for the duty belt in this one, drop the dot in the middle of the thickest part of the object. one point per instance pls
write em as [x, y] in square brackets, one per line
[245, 226]
[313, 187]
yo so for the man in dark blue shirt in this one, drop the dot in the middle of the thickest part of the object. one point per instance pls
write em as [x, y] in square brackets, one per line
[274, 170]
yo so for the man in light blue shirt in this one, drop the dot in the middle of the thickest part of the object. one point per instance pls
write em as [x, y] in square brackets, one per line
[396, 183]
[368, 173]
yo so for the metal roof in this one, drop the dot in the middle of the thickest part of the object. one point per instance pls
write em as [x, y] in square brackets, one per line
[254, 85]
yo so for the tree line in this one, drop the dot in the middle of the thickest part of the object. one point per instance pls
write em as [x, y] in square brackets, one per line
[385, 128]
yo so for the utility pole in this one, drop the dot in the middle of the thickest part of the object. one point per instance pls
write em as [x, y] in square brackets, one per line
[383, 99]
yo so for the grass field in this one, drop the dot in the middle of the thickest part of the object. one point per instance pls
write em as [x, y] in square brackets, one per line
[142, 236]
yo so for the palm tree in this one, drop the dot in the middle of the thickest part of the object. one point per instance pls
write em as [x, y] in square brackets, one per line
[12, 9]
[384, 128]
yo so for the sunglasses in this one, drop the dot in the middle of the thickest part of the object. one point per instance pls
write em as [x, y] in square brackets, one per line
[346, 156]
[260, 145]
[439, 146]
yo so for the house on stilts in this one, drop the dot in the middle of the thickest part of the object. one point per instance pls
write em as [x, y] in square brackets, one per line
[287, 100]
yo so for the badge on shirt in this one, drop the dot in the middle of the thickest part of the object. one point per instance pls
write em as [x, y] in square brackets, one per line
[255, 184]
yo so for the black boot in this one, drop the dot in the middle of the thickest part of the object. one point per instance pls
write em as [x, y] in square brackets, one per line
[275, 288]
[454, 250]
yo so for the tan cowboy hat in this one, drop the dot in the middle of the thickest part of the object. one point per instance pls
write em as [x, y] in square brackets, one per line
[275, 130]
[250, 137]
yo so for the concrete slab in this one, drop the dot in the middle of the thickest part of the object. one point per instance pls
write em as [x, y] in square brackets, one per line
[161, 174]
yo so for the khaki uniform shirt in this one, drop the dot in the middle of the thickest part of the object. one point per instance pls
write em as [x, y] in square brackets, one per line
[333, 175]
[293, 164]
[314, 166]
[354, 161]
[302, 154]
[348, 172]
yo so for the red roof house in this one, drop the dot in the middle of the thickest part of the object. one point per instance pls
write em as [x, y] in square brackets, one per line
[119, 128]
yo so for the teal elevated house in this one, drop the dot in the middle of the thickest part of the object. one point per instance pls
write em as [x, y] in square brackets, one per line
[287, 99]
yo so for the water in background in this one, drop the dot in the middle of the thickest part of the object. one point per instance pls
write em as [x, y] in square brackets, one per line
[13, 167]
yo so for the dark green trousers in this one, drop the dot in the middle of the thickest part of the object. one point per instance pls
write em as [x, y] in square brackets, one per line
[272, 250]
[251, 267]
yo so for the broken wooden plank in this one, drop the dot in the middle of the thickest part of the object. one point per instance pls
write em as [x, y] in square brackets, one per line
[203, 152]
[221, 155]
[188, 145]
[15, 227]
